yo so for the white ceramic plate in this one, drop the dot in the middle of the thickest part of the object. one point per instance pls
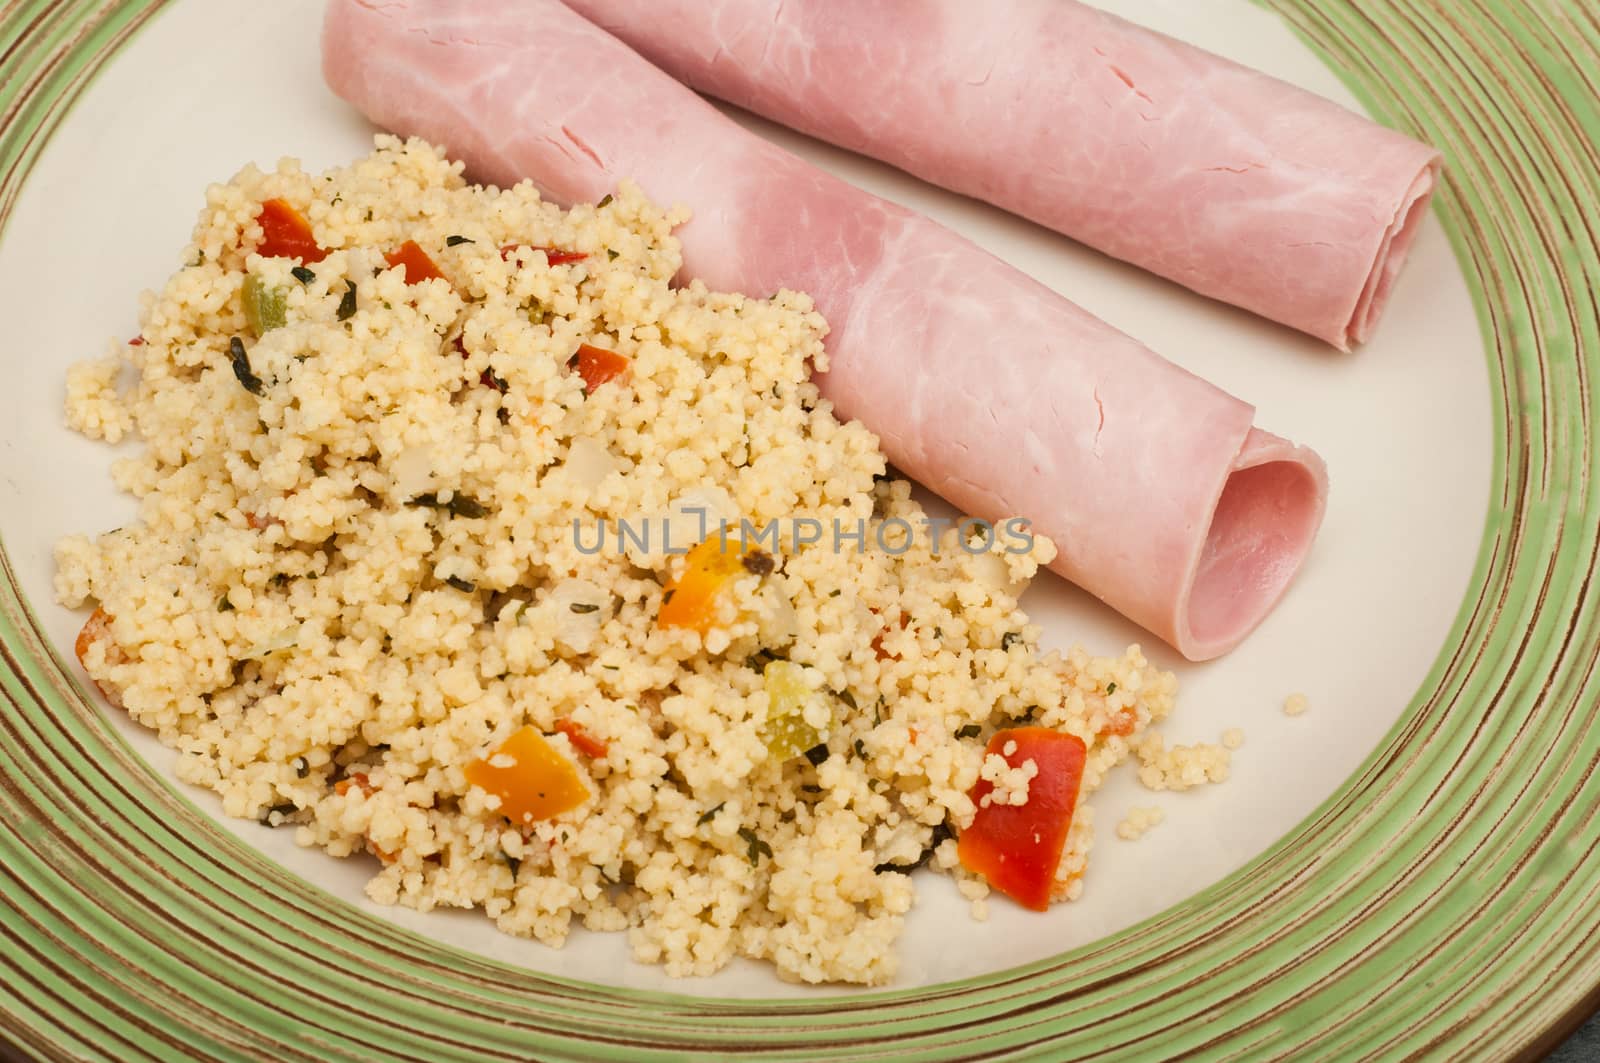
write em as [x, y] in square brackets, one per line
[1403, 423]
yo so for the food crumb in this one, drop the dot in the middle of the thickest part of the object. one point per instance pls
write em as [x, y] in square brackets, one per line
[1180, 767]
[1138, 821]
[93, 407]
[1233, 738]
[1295, 704]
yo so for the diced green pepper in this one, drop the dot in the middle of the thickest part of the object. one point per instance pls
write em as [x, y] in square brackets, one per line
[786, 733]
[264, 308]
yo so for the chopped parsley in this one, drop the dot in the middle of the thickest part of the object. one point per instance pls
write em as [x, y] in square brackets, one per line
[817, 754]
[347, 302]
[303, 275]
[709, 814]
[971, 730]
[465, 586]
[456, 241]
[940, 835]
[460, 505]
[241, 367]
[756, 847]
[289, 809]
[758, 661]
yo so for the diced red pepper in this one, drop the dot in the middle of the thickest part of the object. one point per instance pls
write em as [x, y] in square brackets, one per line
[1018, 847]
[487, 378]
[415, 261]
[581, 740]
[285, 233]
[597, 365]
[556, 256]
[877, 640]
[137, 341]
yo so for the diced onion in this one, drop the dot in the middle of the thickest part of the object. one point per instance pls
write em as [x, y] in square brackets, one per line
[991, 571]
[588, 464]
[412, 470]
[576, 609]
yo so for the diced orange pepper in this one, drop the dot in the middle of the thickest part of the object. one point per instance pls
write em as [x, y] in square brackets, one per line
[1018, 847]
[415, 261]
[96, 629]
[536, 783]
[691, 599]
[357, 779]
[597, 366]
[581, 739]
[285, 233]
[1123, 723]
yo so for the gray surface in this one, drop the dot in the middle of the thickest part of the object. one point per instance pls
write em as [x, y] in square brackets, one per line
[1581, 1047]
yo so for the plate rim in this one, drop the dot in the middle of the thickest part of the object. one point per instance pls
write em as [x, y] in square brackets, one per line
[53, 48]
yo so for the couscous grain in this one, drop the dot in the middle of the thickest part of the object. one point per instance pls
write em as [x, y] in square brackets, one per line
[358, 597]
[1139, 821]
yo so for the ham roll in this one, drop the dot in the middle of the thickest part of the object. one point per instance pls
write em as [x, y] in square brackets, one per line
[1218, 177]
[992, 390]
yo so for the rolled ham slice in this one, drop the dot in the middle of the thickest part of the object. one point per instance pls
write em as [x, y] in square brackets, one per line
[1227, 181]
[986, 386]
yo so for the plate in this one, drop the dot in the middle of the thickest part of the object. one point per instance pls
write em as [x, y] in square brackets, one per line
[1402, 870]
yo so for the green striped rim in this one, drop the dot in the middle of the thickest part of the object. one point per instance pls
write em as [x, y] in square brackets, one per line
[1438, 904]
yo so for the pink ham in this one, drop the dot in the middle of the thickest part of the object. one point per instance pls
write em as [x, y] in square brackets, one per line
[1227, 181]
[981, 383]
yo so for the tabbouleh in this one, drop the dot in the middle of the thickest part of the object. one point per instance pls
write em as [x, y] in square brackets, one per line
[354, 581]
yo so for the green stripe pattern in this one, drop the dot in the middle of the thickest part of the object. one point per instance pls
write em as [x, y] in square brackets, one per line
[1442, 904]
